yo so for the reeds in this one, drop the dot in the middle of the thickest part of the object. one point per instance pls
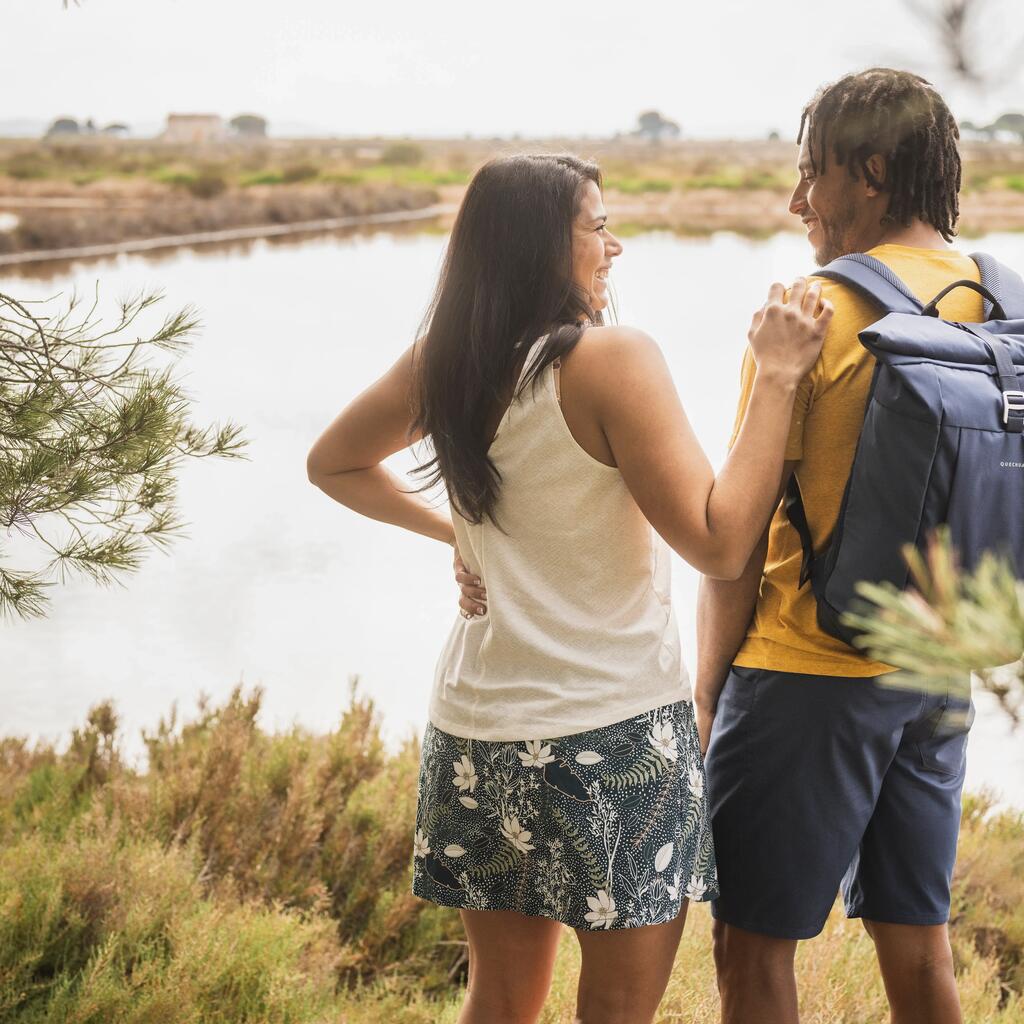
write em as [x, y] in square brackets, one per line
[202, 208]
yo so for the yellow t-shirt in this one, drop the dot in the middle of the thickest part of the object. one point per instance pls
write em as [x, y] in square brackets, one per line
[784, 634]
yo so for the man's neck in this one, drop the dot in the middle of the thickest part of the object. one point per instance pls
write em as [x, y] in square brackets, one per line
[916, 235]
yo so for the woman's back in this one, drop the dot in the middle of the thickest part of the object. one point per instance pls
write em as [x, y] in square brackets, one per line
[579, 631]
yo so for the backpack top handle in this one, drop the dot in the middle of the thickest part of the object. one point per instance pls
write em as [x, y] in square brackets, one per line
[874, 280]
[1001, 281]
[997, 312]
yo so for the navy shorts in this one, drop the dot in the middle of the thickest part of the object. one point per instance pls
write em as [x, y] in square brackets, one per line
[822, 782]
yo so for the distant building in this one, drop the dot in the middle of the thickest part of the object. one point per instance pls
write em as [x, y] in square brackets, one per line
[193, 128]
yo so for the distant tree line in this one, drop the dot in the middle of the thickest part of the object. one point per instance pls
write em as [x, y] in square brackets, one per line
[244, 126]
[651, 125]
[249, 126]
[1010, 124]
[69, 126]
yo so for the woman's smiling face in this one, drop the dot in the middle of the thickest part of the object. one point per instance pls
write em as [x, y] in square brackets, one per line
[593, 247]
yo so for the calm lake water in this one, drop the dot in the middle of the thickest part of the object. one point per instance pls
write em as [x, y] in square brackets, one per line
[276, 586]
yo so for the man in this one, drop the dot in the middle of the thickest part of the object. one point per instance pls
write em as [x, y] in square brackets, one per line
[818, 774]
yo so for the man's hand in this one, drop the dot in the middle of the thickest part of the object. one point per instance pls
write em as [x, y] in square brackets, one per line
[705, 722]
[474, 595]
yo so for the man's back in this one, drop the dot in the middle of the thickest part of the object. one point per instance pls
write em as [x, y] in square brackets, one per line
[784, 634]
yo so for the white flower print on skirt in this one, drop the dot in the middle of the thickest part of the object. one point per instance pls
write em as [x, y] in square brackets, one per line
[601, 829]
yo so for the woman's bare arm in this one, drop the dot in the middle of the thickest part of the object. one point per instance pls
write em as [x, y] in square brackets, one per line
[346, 461]
[714, 523]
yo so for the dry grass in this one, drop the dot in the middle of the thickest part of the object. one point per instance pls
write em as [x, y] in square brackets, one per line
[630, 166]
[251, 877]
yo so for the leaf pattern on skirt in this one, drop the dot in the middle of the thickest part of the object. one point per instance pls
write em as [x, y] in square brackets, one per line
[603, 829]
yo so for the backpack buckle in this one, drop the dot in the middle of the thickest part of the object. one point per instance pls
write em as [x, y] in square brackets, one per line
[1013, 405]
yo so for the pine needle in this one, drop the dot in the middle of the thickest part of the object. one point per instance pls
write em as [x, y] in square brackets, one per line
[92, 437]
[949, 624]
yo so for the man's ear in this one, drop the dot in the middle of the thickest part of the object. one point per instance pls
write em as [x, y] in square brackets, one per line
[874, 177]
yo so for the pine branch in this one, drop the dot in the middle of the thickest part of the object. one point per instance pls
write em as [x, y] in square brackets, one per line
[92, 437]
[22, 594]
[949, 624]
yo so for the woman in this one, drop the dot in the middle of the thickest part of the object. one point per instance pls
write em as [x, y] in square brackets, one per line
[561, 779]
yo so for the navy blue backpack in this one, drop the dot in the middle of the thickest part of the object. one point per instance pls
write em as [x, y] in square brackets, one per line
[942, 440]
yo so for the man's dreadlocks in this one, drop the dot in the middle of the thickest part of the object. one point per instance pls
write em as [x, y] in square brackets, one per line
[900, 116]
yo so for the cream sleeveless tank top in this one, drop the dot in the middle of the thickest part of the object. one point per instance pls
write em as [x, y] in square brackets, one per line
[580, 631]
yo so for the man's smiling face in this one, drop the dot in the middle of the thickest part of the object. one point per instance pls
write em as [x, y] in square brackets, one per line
[827, 203]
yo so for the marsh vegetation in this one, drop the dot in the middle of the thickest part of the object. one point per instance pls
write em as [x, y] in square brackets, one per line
[88, 191]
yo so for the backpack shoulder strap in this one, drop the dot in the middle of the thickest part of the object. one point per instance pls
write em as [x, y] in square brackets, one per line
[874, 280]
[797, 515]
[1005, 284]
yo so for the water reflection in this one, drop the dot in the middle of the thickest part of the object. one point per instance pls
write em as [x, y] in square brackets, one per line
[276, 586]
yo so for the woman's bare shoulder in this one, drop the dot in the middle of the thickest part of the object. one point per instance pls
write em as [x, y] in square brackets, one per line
[615, 336]
[606, 353]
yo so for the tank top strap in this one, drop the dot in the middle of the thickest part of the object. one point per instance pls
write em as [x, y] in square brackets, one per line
[531, 356]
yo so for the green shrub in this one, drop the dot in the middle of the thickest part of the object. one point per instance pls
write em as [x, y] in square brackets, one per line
[410, 176]
[177, 178]
[104, 929]
[299, 172]
[343, 178]
[988, 889]
[263, 178]
[254, 877]
[25, 167]
[88, 154]
[207, 185]
[203, 184]
[402, 154]
[638, 186]
[453, 177]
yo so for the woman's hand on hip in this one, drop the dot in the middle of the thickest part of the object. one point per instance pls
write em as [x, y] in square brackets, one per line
[473, 600]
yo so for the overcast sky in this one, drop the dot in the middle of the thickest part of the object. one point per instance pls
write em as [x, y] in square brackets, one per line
[358, 67]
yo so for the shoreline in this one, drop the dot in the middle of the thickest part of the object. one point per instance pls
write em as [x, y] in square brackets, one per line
[83, 199]
[224, 235]
[47, 222]
[751, 213]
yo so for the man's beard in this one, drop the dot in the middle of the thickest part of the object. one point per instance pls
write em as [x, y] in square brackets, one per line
[836, 237]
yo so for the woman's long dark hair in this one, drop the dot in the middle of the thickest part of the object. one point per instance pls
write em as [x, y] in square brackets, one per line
[506, 281]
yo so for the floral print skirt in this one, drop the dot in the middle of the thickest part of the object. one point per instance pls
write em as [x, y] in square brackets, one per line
[601, 829]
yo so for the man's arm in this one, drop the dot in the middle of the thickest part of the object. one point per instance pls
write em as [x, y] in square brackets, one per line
[724, 611]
